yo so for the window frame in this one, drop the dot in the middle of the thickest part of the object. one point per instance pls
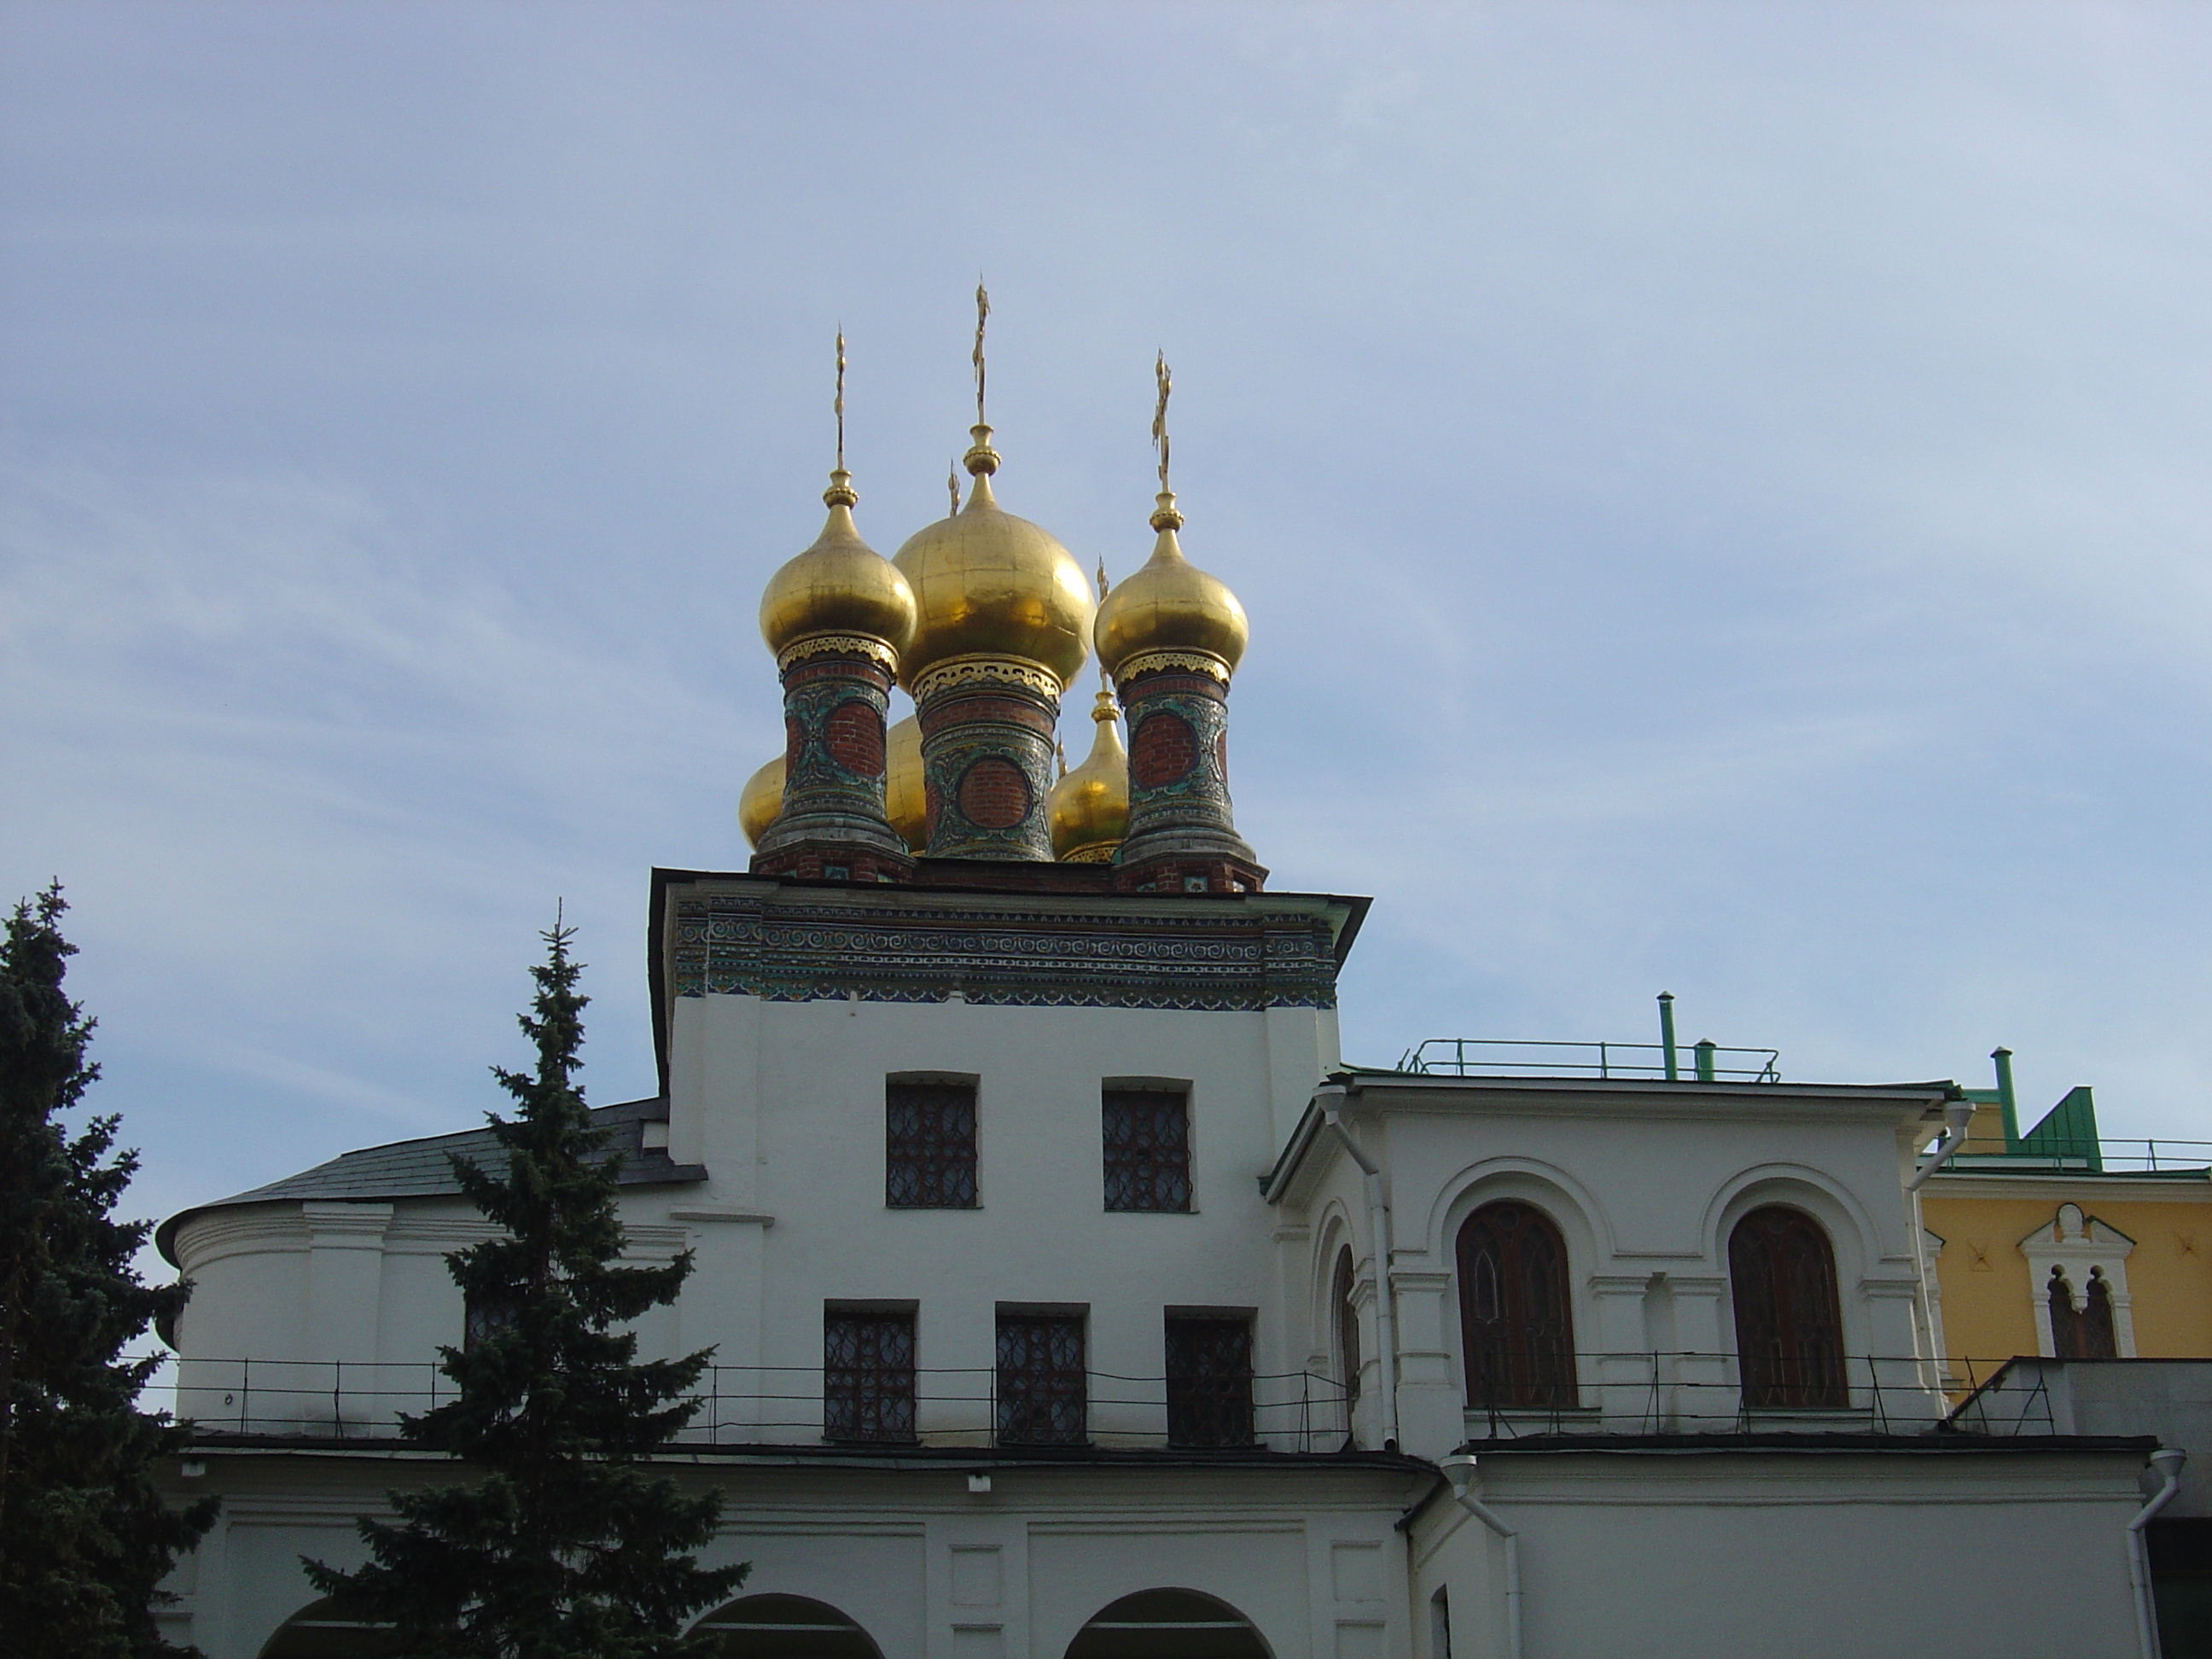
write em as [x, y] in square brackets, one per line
[1797, 1364]
[1351, 1362]
[1139, 1174]
[936, 1197]
[484, 1318]
[1533, 1370]
[882, 1398]
[1216, 1408]
[1064, 1401]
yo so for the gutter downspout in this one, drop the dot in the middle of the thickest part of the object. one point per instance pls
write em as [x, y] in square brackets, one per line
[1957, 1114]
[2168, 1461]
[1459, 1469]
[1378, 1226]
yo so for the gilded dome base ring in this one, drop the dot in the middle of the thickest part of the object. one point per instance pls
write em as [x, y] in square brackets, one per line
[1153, 662]
[961, 670]
[841, 645]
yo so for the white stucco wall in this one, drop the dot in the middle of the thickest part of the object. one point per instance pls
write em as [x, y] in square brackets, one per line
[929, 1569]
[1819, 1556]
[784, 1104]
[1645, 1184]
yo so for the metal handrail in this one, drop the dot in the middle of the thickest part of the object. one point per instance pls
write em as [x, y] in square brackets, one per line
[2086, 1154]
[365, 1400]
[1703, 1061]
[1615, 1391]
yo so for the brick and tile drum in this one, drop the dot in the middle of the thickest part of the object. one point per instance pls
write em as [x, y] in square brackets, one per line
[986, 752]
[1182, 828]
[835, 701]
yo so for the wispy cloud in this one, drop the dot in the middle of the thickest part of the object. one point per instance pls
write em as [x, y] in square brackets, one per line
[1719, 491]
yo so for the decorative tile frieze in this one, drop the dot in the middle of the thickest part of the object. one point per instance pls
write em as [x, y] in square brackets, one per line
[789, 945]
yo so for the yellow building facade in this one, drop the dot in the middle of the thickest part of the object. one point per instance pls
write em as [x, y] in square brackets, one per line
[2059, 1243]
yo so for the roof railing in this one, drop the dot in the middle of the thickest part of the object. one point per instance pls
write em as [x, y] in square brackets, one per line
[1507, 1057]
[2083, 1155]
[1509, 1394]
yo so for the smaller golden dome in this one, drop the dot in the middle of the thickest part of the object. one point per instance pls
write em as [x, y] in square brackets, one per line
[987, 583]
[1088, 810]
[1170, 604]
[761, 802]
[839, 586]
[906, 800]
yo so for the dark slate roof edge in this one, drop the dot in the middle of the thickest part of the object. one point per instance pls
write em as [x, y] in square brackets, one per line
[417, 1167]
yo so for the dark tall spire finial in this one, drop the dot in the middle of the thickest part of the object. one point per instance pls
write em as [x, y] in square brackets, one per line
[841, 492]
[1164, 379]
[982, 315]
[1165, 516]
[980, 460]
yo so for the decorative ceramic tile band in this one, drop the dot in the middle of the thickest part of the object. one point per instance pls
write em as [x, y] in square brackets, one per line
[788, 947]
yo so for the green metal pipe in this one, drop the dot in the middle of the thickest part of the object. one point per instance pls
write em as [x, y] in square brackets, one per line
[1666, 1034]
[1704, 1051]
[2005, 1101]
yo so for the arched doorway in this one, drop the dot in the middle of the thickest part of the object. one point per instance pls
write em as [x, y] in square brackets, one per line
[785, 1627]
[1168, 1624]
[326, 1630]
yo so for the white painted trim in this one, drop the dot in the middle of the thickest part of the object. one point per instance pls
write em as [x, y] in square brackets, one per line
[2076, 1244]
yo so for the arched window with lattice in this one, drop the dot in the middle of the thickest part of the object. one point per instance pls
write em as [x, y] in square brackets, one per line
[1788, 1323]
[1515, 1322]
[1347, 1314]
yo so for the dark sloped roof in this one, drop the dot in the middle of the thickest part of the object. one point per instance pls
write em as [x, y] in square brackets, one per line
[422, 1169]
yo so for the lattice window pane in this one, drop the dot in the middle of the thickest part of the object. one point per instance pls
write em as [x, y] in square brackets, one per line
[867, 1377]
[930, 1154]
[1043, 1390]
[1209, 1382]
[1788, 1323]
[1347, 1329]
[1514, 1322]
[482, 1318]
[1147, 1134]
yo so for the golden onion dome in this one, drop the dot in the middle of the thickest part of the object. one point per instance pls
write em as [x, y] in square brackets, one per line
[1171, 605]
[988, 584]
[839, 586]
[761, 802]
[1088, 810]
[906, 801]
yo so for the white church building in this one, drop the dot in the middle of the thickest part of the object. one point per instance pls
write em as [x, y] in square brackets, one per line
[1071, 1298]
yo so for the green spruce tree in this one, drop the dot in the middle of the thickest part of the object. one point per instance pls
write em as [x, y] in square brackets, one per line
[561, 1547]
[85, 1537]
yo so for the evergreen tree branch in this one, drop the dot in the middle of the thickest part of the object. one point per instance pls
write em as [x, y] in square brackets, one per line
[561, 1547]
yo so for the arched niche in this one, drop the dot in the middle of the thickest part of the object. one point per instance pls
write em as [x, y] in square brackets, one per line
[327, 1630]
[785, 1627]
[1168, 1624]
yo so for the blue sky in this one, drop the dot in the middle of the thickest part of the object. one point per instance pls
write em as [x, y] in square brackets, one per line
[1721, 494]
